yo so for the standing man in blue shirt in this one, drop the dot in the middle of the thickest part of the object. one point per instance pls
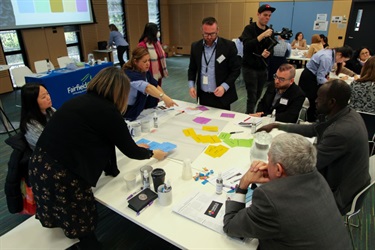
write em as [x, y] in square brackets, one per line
[214, 67]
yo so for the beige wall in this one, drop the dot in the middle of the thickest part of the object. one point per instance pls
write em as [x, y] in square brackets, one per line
[180, 19]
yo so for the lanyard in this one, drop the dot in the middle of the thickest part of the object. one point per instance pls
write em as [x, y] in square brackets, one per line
[205, 59]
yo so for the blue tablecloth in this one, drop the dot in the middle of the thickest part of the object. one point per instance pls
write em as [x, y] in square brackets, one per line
[64, 84]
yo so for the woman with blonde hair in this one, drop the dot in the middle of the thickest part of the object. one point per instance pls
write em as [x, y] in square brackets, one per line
[76, 146]
[315, 46]
[363, 89]
[144, 92]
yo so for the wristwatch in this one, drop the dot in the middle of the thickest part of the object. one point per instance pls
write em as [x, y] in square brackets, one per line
[161, 96]
[241, 191]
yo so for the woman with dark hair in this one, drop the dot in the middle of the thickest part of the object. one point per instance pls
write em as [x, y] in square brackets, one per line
[299, 42]
[317, 72]
[363, 89]
[144, 92]
[359, 59]
[117, 39]
[315, 46]
[324, 40]
[36, 111]
[149, 41]
[76, 146]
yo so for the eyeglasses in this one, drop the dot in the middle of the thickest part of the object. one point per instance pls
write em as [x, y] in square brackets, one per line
[213, 34]
[281, 79]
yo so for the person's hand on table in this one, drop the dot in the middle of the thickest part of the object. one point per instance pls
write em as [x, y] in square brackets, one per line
[356, 77]
[168, 101]
[193, 92]
[257, 114]
[257, 173]
[159, 154]
[268, 127]
[143, 145]
[344, 78]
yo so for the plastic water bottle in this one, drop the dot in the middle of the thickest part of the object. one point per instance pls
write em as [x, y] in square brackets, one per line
[186, 170]
[146, 180]
[49, 68]
[156, 120]
[273, 116]
[219, 184]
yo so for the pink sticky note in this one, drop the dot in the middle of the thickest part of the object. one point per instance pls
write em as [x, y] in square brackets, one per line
[229, 115]
[201, 120]
[202, 108]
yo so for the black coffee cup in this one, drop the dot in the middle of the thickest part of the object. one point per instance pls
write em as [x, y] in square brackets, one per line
[158, 177]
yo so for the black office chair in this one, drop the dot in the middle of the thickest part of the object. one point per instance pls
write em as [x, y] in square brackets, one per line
[369, 119]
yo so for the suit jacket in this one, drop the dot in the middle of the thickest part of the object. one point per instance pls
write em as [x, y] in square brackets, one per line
[343, 155]
[288, 112]
[226, 71]
[295, 212]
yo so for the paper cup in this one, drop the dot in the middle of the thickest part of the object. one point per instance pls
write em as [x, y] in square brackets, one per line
[130, 180]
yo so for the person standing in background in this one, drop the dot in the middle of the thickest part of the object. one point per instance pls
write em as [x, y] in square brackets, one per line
[117, 39]
[281, 51]
[149, 40]
[315, 46]
[254, 66]
[214, 67]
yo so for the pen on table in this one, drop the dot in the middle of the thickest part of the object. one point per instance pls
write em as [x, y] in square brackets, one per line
[143, 209]
[131, 196]
[235, 132]
[247, 119]
[180, 113]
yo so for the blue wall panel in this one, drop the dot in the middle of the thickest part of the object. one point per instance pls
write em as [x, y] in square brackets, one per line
[299, 16]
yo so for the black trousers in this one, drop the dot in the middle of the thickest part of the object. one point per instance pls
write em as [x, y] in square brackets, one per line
[209, 99]
[309, 84]
[120, 54]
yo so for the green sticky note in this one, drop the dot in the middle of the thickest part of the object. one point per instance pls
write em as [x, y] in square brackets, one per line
[224, 135]
[245, 143]
[230, 142]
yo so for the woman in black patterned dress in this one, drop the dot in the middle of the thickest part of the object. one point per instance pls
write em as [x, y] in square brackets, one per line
[76, 146]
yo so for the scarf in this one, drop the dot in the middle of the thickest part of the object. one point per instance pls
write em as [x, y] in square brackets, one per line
[158, 65]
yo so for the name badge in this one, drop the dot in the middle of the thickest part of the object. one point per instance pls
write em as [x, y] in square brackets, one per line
[220, 59]
[205, 79]
[283, 101]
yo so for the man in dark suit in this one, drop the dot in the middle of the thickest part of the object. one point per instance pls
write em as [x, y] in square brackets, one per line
[343, 156]
[294, 208]
[214, 67]
[284, 96]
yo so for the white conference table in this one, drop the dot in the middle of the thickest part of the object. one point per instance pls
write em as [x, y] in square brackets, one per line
[161, 220]
[298, 55]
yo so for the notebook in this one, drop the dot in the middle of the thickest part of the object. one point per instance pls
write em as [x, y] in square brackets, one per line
[142, 199]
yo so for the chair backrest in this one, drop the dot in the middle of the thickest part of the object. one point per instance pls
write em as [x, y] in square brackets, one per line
[372, 168]
[63, 61]
[369, 120]
[302, 116]
[297, 76]
[18, 75]
[41, 66]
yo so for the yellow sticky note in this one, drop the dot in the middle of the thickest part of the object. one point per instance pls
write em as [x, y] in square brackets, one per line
[210, 128]
[216, 139]
[189, 132]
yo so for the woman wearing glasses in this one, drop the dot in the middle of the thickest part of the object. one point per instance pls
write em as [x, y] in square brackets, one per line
[359, 59]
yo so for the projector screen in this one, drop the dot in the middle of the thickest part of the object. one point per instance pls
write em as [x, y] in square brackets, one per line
[20, 14]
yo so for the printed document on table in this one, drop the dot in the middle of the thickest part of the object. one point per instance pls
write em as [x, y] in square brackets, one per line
[207, 210]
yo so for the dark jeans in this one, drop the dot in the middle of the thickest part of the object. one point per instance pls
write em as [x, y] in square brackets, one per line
[120, 54]
[209, 99]
[254, 82]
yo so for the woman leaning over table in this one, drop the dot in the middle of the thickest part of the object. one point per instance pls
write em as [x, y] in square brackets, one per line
[76, 146]
[363, 89]
[149, 41]
[36, 111]
[144, 92]
[299, 42]
[317, 72]
[117, 39]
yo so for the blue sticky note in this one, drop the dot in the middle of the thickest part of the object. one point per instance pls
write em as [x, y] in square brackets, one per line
[143, 140]
[154, 145]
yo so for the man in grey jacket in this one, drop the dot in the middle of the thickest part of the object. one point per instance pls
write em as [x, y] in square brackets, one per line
[343, 156]
[294, 208]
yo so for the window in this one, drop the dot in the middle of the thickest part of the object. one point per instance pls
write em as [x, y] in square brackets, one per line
[116, 16]
[12, 48]
[154, 13]
[72, 42]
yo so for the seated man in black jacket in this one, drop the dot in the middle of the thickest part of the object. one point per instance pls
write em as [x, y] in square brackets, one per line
[284, 96]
